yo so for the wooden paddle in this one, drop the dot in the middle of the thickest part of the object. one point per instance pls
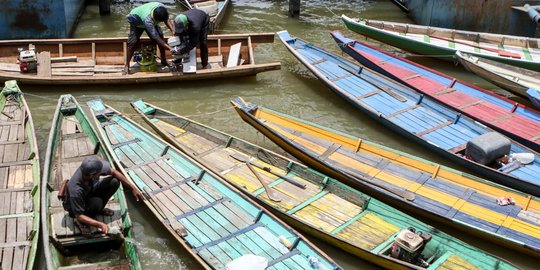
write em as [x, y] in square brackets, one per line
[500, 52]
[268, 169]
[269, 191]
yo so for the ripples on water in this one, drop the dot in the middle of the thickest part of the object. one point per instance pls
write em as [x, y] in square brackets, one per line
[293, 90]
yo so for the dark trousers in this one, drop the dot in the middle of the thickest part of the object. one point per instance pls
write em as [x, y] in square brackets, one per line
[203, 46]
[103, 191]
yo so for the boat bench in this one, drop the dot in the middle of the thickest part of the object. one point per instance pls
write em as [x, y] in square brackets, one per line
[66, 233]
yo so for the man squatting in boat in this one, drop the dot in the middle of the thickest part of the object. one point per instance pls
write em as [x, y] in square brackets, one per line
[86, 195]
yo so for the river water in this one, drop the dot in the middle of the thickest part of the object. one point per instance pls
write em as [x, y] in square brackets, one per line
[292, 90]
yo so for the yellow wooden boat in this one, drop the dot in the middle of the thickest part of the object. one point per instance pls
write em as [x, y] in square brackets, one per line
[469, 203]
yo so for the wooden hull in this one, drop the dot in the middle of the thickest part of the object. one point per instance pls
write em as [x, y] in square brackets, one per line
[514, 120]
[359, 163]
[513, 79]
[71, 139]
[323, 208]
[410, 113]
[19, 188]
[443, 43]
[213, 221]
[100, 61]
[216, 15]
[534, 96]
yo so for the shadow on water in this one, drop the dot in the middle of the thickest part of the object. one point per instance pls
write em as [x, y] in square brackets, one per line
[292, 90]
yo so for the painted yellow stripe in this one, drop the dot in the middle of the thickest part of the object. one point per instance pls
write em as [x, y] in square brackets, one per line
[442, 197]
[367, 148]
[436, 195]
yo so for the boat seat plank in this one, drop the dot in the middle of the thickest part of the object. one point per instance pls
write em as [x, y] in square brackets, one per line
[10, 67]
[368, 231]
[44, 64]
[454, 262]
[168, 128]
[65, 230]
[234, 55]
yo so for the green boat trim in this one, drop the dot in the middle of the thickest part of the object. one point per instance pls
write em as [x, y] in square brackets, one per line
[20, 224]
[416, 40]
[213, 221]
[62, 240]
[367, 226]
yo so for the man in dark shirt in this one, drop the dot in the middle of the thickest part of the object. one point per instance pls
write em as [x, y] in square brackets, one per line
[87, 194]
[194, 23]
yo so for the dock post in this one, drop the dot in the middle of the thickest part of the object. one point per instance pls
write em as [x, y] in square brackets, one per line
[294, 8]
[104, 7]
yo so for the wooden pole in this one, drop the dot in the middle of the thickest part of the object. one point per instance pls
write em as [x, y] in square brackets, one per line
[294, 8]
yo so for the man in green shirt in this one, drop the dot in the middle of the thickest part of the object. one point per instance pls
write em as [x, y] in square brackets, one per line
[146, 18]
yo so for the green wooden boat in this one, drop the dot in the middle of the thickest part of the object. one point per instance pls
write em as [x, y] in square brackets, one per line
[443, 43]
[71, 139]
[218, 225]
[19, 184]
[315, 203]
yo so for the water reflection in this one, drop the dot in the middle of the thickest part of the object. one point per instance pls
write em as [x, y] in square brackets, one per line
[292, 90]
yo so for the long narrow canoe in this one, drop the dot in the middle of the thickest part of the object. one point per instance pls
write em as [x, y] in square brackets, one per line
[440, 193]
[501, 114]
[514, 79]
[19, 184]
[310, 201]
[101, 61]
[71, 139]
[214, 222]
[443, 43]
[214, 8]
[411, 114]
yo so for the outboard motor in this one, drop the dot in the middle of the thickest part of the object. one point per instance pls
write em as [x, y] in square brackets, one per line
[408, 246]
[178, 44]
[27, 59]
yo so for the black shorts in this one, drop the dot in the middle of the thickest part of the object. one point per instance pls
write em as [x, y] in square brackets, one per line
[136, 32]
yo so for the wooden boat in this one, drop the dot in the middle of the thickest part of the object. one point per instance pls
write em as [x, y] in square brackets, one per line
[514, 79]
[405, 181]
[443, 43]
[71, 139]
[215, 8]
[501, 114]
[311, 201]
[415, 115]
[534, 97]
[214, 222]
[19, 184]
[101, 61]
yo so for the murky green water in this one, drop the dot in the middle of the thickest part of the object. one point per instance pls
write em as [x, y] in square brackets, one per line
[292, 90]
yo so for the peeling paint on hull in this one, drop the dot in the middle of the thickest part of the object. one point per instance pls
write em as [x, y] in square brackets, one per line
[39, 18]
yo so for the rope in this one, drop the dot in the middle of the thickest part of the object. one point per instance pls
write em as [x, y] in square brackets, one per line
[38, 96]
[187, 116]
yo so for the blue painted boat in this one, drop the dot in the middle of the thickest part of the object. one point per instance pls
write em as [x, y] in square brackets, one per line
[214, 222]
[39, 18]
[506, 116]
[412, 114]
[534, 96]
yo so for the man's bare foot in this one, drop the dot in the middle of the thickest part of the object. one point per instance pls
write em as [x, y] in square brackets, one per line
[125, 71]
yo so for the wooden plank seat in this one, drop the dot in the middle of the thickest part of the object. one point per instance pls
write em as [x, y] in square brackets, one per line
[67, 233]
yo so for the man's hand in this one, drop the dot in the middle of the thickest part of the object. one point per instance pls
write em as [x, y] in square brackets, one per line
[138, 195]
[103, 227]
